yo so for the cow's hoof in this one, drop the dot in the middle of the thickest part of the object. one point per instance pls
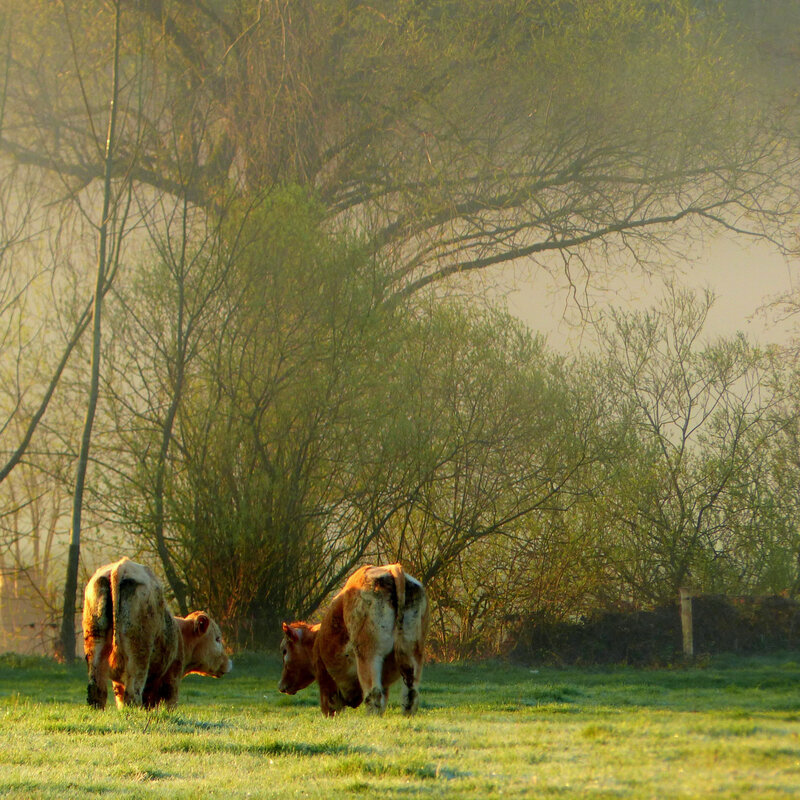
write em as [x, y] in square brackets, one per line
[376, 702]
[410, 702]
[95, 696]
[329, 710]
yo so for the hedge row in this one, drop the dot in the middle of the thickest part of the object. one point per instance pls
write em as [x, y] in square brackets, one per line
[720, 624]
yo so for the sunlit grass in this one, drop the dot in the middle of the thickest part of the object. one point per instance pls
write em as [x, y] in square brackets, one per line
[730, 729]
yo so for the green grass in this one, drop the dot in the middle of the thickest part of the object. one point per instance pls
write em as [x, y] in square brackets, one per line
[728, 730]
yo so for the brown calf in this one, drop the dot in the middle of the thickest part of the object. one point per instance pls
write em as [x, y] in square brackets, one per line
[131, 636]
[372, 634]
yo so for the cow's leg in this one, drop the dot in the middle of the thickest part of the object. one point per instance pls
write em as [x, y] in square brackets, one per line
[155, 693]
[97, 630]
[410, 666]
[408, 646]
[97, 663]
[151, 695]
[330, 698]
[128, 692]
[370, 668]
[169, 694]
[411, 678]
[330, 703]
[119, 693]
[129, 687]
[372, 630]
[163, 689]
[132, 662]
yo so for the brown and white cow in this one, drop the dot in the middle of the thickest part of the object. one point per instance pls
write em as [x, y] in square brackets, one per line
[131, 637]
[372, 634]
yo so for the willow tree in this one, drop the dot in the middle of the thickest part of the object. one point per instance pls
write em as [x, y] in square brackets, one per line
[459, 135]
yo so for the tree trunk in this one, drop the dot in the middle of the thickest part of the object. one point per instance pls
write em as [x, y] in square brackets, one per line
[176, 584]
[71, 581]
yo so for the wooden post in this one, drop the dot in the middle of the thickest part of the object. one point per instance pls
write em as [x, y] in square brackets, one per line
[686, 622]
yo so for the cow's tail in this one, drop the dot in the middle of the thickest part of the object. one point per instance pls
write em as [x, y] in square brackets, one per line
[115, 580]
[399, 576]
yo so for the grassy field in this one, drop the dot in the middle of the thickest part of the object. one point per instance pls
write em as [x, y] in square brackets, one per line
[728, 729]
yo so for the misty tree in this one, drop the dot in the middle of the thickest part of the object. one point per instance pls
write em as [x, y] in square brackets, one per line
[459, 136]
[157, 332]
[237, 360]
[701, 413]
[456, 136]
[502, 437]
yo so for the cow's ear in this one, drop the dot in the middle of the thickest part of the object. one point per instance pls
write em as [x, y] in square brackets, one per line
[290, 632]
[201, 623]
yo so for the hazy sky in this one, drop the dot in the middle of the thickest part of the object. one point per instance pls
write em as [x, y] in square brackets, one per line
[744, 276]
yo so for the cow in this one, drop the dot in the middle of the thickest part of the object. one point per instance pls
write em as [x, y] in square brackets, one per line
[131, 637]
[372, 633]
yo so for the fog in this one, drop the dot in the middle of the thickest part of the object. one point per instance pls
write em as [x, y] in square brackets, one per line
[748, 280]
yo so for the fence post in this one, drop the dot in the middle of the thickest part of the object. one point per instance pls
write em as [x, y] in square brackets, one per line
[686, 622]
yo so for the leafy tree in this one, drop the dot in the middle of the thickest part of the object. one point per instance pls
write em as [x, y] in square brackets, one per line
[701, 413]
[505, 438]
[763, 549]
[158, 330]
[109, 235]
[253, 361]
[458, 135]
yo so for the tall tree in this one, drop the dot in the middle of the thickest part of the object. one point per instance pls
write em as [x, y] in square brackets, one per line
[108, 243]
[459, 135]
[157, 334]
[24, 235]
[700, 411]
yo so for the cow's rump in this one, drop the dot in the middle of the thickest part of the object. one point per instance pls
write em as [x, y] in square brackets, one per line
[132, 639]
[372, 633]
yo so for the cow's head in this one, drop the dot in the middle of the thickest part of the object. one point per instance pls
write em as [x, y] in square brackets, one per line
[296, 650]
[205, 649]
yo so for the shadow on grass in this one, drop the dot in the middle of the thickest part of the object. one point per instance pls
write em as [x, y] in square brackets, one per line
[274, 747]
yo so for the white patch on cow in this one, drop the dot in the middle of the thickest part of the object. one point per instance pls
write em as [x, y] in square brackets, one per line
[379, 623]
